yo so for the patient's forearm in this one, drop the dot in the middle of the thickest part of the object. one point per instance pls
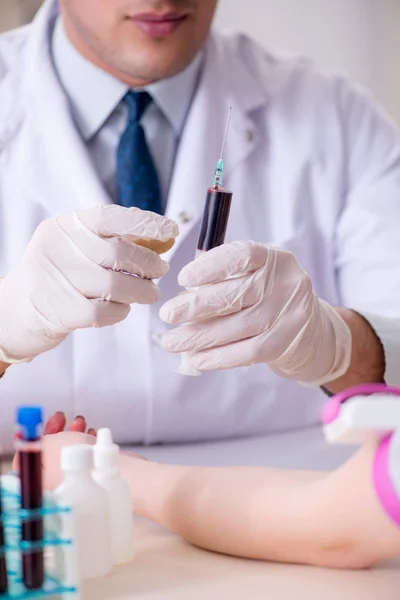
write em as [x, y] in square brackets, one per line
[367, 357]
[248, 512]
[322, 519]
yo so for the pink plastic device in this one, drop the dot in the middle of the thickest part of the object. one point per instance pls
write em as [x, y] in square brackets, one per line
[331, 409]
[383, 485]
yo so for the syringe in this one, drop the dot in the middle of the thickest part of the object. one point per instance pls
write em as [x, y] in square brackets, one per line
[213, 228]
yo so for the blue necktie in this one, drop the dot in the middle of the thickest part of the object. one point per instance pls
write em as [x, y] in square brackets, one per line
[137, 180]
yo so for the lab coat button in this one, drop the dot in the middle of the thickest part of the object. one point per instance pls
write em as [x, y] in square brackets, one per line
[249, 135]
[185, 217]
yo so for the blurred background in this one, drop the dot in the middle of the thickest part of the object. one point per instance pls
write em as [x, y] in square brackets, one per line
[360, 38]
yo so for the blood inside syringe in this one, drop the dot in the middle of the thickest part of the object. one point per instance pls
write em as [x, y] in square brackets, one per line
[215, 218]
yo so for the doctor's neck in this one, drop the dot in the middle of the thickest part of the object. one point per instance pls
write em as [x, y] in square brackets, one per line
[156, 39]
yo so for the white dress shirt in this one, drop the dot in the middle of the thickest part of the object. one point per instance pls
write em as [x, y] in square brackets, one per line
[95, 98]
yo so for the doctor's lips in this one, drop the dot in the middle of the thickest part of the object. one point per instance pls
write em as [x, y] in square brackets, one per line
[159, 25]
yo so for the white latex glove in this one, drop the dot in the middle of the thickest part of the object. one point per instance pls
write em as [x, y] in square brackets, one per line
[249, 303]
[78, 271]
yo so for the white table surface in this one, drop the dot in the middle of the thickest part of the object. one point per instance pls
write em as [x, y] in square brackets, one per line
[166, 568]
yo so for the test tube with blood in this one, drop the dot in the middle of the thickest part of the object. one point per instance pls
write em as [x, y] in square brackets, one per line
[212, 230]
[29, 447]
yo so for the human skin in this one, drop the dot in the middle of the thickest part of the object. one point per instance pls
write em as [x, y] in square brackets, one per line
[138, 41]
[323, 519]
[367, 364]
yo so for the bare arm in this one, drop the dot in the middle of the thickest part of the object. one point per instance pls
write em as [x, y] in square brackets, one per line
[249, 512]
[367, 359]
[331, 520]
[324, 519]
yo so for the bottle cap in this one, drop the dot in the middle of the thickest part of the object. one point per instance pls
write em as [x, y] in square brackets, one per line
[77, 458]
[106, 453]
[30, 419]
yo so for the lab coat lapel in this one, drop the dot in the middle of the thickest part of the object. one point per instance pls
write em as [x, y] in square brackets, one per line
[57, 170]
[225, 83]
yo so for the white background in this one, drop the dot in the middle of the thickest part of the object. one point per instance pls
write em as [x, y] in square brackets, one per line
[360, 38]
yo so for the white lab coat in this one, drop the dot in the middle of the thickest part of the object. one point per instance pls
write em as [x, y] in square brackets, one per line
[314, 169]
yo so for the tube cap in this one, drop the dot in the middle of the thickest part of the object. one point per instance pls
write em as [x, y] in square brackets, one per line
[77, 458]
[106, 453]
[30, 419]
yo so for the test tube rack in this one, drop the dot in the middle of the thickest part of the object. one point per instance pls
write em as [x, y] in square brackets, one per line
[53, 542]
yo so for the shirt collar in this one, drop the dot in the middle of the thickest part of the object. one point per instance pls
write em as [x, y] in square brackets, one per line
[94, 94]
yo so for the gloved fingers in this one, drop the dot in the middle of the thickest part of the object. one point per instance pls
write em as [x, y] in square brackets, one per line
[79, 276]
[218, 299]
[100, 313]
[113, 253]
[239, 354]
[271, 344]
[117, 287]
[271, 322]
[113, 220]
[228, 260]
[216, 332]
[264, 348]
[81, 313]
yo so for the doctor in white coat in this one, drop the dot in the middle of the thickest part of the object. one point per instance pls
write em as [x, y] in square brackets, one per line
[315, 170]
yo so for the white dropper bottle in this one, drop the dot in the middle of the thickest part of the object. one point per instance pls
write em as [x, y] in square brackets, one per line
[107, 474]
[90, 511]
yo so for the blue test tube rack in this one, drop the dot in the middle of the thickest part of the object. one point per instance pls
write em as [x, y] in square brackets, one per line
[13, 517]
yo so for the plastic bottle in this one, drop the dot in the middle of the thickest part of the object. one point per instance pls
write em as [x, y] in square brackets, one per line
[90, 512]
[107, 474]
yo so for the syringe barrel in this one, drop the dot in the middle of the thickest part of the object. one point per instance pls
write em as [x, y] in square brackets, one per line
[215, 219]
[212, 234]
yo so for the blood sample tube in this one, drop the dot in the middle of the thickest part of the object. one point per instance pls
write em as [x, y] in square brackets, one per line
[29, 446]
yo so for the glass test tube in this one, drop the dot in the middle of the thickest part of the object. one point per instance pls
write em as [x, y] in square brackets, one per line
[29, 446]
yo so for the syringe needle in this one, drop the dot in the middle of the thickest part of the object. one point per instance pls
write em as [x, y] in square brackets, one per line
[218, 173]
[226, 132]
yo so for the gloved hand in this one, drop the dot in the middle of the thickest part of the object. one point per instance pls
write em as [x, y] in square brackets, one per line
[79, 271]
[249, 303]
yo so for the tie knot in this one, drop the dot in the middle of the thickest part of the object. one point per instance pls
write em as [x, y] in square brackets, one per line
[137, 103]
